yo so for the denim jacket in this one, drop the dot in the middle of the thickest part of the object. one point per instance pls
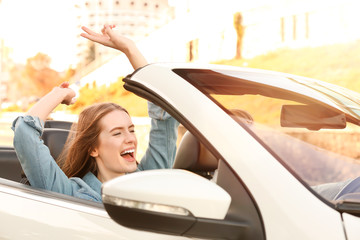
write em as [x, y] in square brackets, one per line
[43, 172]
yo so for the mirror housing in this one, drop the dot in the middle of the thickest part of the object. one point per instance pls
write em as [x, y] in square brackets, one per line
[166, 200]
[312, 117]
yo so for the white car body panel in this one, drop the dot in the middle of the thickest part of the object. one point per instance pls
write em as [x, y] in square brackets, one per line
[351, 224]
[254, 167]
[35, 217]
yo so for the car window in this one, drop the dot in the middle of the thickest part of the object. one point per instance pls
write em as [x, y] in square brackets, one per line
[316, 137]
[318, 156]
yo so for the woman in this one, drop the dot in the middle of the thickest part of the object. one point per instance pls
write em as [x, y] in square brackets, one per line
[104, 145]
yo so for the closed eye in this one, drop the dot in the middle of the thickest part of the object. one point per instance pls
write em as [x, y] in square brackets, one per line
[119, 130]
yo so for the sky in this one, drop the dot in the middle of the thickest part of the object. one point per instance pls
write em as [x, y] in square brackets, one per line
[32, 26]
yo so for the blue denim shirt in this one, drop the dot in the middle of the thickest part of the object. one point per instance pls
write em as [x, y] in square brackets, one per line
[43, 172]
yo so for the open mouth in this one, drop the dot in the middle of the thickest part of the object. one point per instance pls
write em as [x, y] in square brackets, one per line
[128, 153]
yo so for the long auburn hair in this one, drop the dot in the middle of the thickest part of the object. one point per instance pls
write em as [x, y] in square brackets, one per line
[75, 160]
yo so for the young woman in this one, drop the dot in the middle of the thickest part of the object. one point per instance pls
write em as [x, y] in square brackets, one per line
[104, 145]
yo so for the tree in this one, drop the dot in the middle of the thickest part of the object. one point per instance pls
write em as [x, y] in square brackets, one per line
[115, 92]
[36, 78]
[239, 32]
[40, 76]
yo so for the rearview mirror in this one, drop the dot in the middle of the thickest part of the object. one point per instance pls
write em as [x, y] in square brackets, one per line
[312, 117]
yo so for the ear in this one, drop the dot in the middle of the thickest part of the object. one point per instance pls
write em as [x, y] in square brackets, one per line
[94, 153]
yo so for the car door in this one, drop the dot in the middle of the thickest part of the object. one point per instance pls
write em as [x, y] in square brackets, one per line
[188, 203]
[243, 219]
[28, 213]
[286, 207]
[352, 225]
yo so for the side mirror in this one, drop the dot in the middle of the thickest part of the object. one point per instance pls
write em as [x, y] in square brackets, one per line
[170, 201]
[312, 117]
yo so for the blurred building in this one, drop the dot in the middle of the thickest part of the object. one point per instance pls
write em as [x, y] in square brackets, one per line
[267, 26]
[134, 18]
[297, 23]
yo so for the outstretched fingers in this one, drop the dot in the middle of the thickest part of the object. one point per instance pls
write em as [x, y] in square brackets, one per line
[93, 35]
[89, 31]
[106, 26]
[99, 39]
[107, 30]
[96, 37]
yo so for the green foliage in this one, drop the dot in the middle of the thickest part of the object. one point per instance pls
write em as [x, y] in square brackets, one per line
[337, 64]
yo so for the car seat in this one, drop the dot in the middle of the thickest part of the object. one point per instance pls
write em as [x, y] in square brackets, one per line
[193, 156]
[58, 124]
[54, 139]
[10, 167]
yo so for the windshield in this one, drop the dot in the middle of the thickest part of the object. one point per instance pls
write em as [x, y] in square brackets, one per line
[347, 99]
[311, 136]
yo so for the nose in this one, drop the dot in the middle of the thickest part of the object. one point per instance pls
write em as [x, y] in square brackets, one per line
[130, 137]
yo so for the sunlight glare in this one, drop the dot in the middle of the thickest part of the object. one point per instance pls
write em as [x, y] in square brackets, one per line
[29, 27]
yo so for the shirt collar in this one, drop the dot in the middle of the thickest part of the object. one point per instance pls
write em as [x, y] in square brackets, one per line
[93, 182]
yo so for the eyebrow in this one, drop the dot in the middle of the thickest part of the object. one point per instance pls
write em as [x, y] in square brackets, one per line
[121, 128]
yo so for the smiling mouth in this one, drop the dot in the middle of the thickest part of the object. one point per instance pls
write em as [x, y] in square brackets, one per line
[128, 153]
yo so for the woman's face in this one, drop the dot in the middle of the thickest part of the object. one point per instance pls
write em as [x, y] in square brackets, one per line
[116, 150]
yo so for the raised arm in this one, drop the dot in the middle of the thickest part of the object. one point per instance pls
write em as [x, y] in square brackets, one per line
[163, 133]
[50, 101]
[110, 38]
[35, 158]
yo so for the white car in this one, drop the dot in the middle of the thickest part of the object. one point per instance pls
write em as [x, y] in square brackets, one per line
[259, 145]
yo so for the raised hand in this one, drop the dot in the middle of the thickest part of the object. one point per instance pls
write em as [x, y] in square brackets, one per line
[110, 38]
[70, 94]
[62, 94]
